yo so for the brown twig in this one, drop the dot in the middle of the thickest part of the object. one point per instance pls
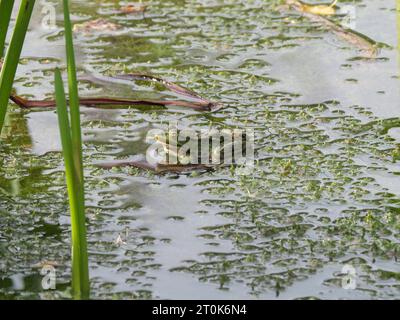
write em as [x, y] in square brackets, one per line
[94, 102]
[157, 168]
[201, 104]
[170, 85]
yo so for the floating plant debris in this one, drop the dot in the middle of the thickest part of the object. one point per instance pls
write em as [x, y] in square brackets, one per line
[133, 8]
[96, 102]
[158, 168]
[201, 104]
[98, 25]
[367, 47]
[45, 263]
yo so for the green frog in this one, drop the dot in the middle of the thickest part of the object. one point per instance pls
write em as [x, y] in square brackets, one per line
[319, 9]
[209, 149]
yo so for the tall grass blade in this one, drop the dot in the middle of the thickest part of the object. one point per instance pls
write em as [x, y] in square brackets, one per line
[13, 53]
[73, 88]
[76, 140]
[6, 7]
[80, 273]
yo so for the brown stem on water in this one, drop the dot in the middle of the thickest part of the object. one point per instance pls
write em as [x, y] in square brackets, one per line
[94, 102]
[158, 168]
[170, 85]
[201, 104]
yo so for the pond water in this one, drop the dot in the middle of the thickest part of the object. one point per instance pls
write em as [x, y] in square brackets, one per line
[324, 194]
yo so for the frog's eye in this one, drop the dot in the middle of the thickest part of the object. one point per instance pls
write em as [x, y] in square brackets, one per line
[154, 136]
[157, 137]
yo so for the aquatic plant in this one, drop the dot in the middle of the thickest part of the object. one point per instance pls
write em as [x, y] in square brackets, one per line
[71, 140]
[6, 7]
[80, 274]
[14, 50]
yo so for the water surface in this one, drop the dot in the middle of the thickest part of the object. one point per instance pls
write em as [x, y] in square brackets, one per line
[324, 192]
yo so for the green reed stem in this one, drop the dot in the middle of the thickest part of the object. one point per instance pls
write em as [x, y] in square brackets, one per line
[13, 54]
[80, 271]
[72, 148]
[6, 7]
[73, 88]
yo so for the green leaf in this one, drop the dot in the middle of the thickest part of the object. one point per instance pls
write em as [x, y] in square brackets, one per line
[13, 54]
[80, 272]
[6, 7]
